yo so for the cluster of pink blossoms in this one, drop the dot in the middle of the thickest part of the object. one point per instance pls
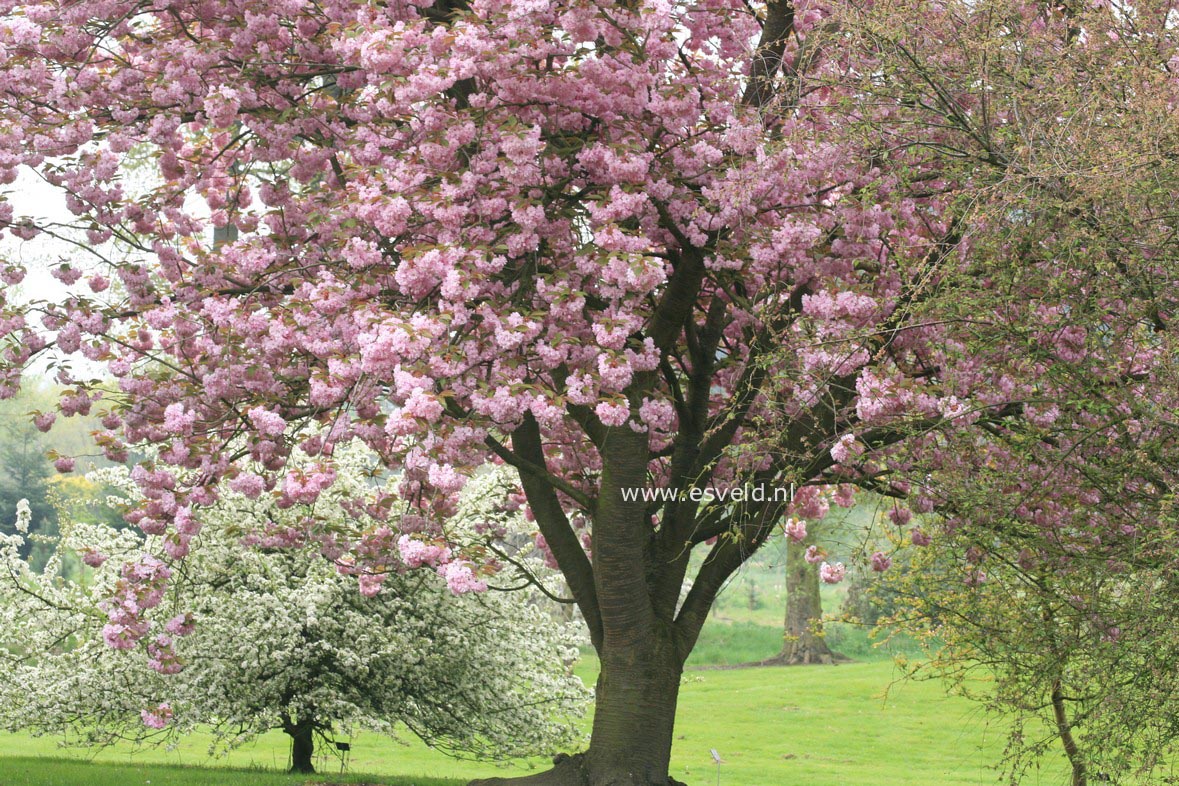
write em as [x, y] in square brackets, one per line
[140, 588]
[832, 574]
[157, 717]
[460, 577]
[414, 552]
[162, 657]
[795, 529]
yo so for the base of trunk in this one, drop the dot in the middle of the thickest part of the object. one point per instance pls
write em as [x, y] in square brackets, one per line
[570, 771]
[804, 658]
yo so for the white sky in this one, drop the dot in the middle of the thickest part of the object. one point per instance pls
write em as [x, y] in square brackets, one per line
[33, 197]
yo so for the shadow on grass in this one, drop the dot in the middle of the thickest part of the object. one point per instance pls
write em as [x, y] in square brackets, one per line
[44, 771]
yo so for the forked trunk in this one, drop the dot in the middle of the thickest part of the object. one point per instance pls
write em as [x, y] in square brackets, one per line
[634, 716]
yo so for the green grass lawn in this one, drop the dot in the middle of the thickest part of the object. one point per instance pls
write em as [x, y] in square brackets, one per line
[796, 726]
[40, 771]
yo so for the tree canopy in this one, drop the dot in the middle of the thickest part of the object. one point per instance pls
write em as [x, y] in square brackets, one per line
[277, 637]
[615, 246]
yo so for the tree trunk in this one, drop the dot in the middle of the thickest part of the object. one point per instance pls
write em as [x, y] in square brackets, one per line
[630, 596]
[1065, 730]
[634, 715]
[802, 638]
[302, 734]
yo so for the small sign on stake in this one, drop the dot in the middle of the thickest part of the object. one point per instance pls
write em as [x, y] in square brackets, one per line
[719, 761]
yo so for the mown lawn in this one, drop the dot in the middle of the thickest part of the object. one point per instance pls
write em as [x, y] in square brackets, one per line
[37, 771]
[799, 726]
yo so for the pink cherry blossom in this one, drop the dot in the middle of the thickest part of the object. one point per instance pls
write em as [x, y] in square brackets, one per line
[832, 574]
[157, 717]
[177, 419]
[795, 529]
[846, 448]
[416, 553]
[181, 625]
[268, 423]
[460, 578]
[248, 485]
[612, 413]
[370, 584]
[845, 495]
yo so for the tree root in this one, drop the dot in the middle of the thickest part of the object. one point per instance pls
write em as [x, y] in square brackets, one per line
[567, 771]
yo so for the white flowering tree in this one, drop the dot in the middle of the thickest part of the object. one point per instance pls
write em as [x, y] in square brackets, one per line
[278, 636]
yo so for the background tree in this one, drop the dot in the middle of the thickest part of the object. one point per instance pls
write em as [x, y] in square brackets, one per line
[1062, 518]
[277, 637]
[25, 470]
[803, 641]
[30, 438]
[1078, 659]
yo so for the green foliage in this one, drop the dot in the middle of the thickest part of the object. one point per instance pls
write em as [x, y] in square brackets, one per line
[82, 498]
[729, 644]
[870, 644]
[1039, 648]
[25, 470]
[874, 599]
[27, 473]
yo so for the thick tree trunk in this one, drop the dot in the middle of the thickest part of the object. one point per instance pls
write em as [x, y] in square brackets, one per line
[634, 715]
[802, 637]
[302, 734]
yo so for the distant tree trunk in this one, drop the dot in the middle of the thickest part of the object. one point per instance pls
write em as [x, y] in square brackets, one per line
[802, 637]
[302, 734]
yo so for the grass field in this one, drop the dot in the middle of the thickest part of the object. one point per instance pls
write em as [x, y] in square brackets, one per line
[792, 726]
[801, 726]
[37, 771]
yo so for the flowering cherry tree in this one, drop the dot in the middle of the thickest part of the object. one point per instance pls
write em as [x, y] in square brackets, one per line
[274, 637]
[610, 245]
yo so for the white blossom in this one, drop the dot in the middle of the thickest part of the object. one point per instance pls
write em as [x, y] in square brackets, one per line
[282, 632]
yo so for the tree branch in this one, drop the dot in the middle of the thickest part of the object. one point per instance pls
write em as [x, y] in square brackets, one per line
[767, 60]
[554, 526]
